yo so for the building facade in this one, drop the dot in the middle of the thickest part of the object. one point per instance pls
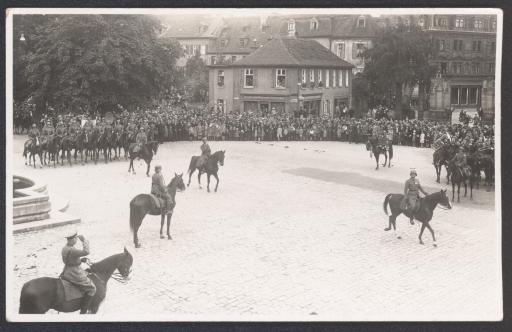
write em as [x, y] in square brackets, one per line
[283, 76]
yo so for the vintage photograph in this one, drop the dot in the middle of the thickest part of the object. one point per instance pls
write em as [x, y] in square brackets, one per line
[253, 164]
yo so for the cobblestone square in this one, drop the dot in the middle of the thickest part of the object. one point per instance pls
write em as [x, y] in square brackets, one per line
[295, 232]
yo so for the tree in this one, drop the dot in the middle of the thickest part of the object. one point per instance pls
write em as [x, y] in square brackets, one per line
[92, 62]
[398, 62]
[197, 79]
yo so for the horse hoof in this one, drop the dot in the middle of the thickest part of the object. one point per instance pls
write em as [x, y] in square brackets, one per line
[435, 245]
[412, 222]
[137, 245]
[422, 243]
[399, 237]
[387, 229]
[169, 237]
[161, 236]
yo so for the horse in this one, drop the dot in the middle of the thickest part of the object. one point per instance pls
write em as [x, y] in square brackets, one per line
[31, 149]
[210, 167]
[146, 153]
[67, 145]
[373, 146]
[441, 157]
[81, 144]
[424, 214]
[91, 145]
[53, 145]
[42, 294]
[103, 145]
[142, 204]
[459, 177]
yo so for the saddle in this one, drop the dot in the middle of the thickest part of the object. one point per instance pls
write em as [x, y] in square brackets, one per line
[69, 290]
[158, 203]
[415, 209]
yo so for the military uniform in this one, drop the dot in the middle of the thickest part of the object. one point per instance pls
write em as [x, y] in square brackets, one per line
[159, 189]
[141, 140]
[411, 191]
[72, 270]
[205, 154]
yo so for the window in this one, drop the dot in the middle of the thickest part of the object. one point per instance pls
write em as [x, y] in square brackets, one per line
[223, 42]
[220, 78]
[340, 50]
[334, 78]
[220, 104]
[313, 24]
[454, 97]
[441, 45]
[421, 22]
[346, 78]
[303, 76]
[473, 96]
[340, 78]
[319, 75]
[358, 50]
[361, 22]
[233, 58]
[463, 97]
[457, 45]
[477, 45]
[280, 78]
[243, 42]
[212, 60]
[476, 68]
[443, 22]
[443, 67]
[459, 23]
[493, 25]
[327, 81]
[291, 25]
[248, 78]
[312, 75]
[478, 24]
[489, 68]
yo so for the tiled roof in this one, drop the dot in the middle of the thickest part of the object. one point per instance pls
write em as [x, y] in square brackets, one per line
[346, 26]
[235, 29]
[188, 26]
[293, 52]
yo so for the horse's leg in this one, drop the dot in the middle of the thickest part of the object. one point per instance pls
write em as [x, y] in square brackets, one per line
[377, 160]
[458, 192]
[453, 192]
[385, 160]
[199, 178]
[169, 215]
[465, 188]
[162, 225]
[431, 232]
[190, 176]
[208, 177]
[216, 178]
[148, 162]
[421, 232]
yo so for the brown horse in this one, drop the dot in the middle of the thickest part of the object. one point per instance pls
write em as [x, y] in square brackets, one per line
[210, 167]
[424, 214]
[142, 204]
[42, 294]
[376, 149]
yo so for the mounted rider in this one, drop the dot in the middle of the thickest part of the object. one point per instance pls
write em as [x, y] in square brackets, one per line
[73, 273]
[140, 141]
[459, 161]
[412, 188]
[34, 134]
[205, 153]
[159, 189]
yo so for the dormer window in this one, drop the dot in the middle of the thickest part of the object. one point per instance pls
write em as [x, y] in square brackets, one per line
[223, 42]
[244, 42]
[313, 24]
[361, 22]
[291, 25]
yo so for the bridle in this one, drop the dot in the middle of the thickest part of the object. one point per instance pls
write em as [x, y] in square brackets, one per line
[117, 276]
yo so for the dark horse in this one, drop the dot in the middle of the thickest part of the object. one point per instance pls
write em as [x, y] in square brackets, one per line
[424, 214]
[142, 204]
[460, 176]
[442, 156]
[210, 167]
[42, 294]
[31, 149]
[145, 152]
[373, 146]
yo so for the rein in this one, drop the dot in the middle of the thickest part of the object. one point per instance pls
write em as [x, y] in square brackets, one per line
[117, 276]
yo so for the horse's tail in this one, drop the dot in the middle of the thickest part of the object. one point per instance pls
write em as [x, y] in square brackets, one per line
[27, 301]
[133, 216]
[386, 202]
[190, 167]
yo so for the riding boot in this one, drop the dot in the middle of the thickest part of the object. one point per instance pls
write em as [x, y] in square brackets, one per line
[86, 302]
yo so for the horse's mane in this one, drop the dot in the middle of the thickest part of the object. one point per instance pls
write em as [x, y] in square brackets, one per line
[173, 181]
[106, 263]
